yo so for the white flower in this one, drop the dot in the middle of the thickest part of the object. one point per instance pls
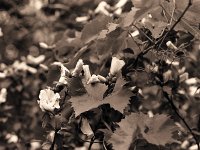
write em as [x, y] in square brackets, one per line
[48, 100]
[23, 67]
[64, 72]
[102, 78]
[193, 90]
[94, 79]
[1, 33]
[102, 8]
[116, 65]
[87, 73]
[171, 45]
[12, 138]
[191, 81]
[35, 60]
[3, 95]
[183, 77]
[78, 68]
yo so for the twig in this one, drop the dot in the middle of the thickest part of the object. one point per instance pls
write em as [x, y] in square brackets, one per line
[141, 54]
[182, 119]
[174, 19]
[91, 142]
[134, 41]
[144, 34]
[178, 20]
[104, 146]
[54, 140]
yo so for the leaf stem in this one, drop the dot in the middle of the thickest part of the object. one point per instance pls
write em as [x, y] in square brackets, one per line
[182, 119]
[134, 40]
[54, 140]
[91, 143]
[178, 20]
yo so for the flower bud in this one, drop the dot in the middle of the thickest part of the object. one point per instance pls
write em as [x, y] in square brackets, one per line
[183, 77]
[171, 45]
[93, 79]
[102, 79]
[79, 67]
[116, 66]
[43, 45]
[63, 72]
[87, 73]
[3, 95]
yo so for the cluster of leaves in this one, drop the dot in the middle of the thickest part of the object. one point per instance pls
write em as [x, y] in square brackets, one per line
[151, 103]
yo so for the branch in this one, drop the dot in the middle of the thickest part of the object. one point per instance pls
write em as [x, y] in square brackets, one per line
[134, 40]
[178, 20]
[144, 34]
[91, 142]
[54, 140]
[182, 119]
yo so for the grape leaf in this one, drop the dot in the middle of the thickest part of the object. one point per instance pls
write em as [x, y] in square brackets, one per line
[138, 13]
[93, 98]
[122, 139]
[93, 28]
[156, 130]
[110, 27]
[113, 43]
[159, 130]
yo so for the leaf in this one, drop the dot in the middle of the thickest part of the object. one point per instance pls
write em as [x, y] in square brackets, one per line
[92, 29]
[156, 130]
[89, 100]
[122, 139]
[136, 14]
[110, 27]
[128, 19]
[86, 128]
[156, 27]
[119, 99]
[159, 130]
[113, 43]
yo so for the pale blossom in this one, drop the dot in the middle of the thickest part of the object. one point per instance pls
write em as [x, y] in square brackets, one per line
[12, 138]
[103, 8]
[35, 145]
[116, 66]
[102, 78]
[171, 45]
[183, 77]
[64, 72]
[193, 90]
[1, 33]
[79, 67]
[48, 100]
[87, 73]
[35, 60]
[191, 81]
[3, 95]
[94, 79]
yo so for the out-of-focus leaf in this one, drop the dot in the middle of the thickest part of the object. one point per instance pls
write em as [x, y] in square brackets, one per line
[156, 130]
[92, 29]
